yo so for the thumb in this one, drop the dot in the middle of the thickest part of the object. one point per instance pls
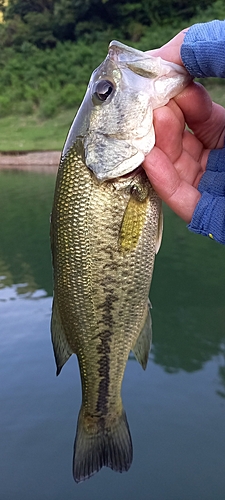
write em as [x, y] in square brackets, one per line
[171, 50]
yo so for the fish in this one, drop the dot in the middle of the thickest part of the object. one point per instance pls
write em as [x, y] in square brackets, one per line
[106, 228]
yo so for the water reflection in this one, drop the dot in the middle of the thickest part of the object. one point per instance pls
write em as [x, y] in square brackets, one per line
[175, 409]
[221, 373]
[22, 290]
[189, 291]
[188, 287]
[25, 206]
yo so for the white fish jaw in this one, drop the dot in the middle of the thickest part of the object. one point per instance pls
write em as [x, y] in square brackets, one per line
[117, 131]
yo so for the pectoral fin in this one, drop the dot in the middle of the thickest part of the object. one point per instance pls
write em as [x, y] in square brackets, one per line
[143, 344]
[61, 347]
[134, 217]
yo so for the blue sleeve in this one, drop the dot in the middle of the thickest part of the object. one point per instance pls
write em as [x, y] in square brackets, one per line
[203, 49]
[209, 216]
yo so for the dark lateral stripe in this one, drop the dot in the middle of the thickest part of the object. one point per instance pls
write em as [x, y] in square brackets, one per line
[103, 350]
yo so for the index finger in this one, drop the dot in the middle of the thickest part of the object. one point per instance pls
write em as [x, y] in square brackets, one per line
[205, 118]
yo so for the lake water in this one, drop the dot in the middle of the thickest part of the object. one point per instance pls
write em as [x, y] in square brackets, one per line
[175, 409]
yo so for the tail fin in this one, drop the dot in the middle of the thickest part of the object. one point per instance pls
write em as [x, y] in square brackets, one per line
[108, 446]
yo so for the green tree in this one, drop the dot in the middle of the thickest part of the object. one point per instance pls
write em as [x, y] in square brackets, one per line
[22, 7]
[72, 19]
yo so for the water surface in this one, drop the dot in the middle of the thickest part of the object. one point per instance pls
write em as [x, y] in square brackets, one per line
[175, 409]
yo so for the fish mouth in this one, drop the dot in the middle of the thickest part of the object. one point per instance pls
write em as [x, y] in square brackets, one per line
[127, 177]
[133, 173]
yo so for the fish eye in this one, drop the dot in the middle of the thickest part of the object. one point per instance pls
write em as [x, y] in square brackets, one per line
[102, 90]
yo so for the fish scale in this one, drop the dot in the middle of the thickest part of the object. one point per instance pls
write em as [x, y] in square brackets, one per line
[98, 286]
[105, 231]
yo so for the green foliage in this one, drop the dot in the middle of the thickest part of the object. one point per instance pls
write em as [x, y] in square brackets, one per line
[49, 48]
[5, 105]
[31, 132]
[24, 7]
[44, 22]
[216, 10]
[48, 80]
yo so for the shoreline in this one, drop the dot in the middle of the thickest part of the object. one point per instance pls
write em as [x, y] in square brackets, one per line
[41, 161]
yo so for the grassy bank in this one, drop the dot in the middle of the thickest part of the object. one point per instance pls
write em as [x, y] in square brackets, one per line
[31, 133]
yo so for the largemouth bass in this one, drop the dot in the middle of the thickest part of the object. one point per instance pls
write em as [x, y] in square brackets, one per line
[105, 231]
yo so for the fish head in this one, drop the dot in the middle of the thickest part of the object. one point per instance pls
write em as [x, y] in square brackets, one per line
[115, 120]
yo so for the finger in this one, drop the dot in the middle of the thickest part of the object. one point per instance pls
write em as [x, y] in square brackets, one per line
[212, 132]
[195, 149]
[176, 192]
[195, 103]
[169, 126]
[192, 162]
[188, 169]
[181, 147]
[205, 118]
[192, 145]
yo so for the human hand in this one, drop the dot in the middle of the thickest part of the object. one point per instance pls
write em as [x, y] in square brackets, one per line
[171, 50]
[177, 162]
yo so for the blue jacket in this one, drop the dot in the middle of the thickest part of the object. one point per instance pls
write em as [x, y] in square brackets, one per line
[203, 54]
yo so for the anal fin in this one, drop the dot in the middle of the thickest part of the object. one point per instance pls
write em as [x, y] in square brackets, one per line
[143, 344]
[62, 350]
[160, 231]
